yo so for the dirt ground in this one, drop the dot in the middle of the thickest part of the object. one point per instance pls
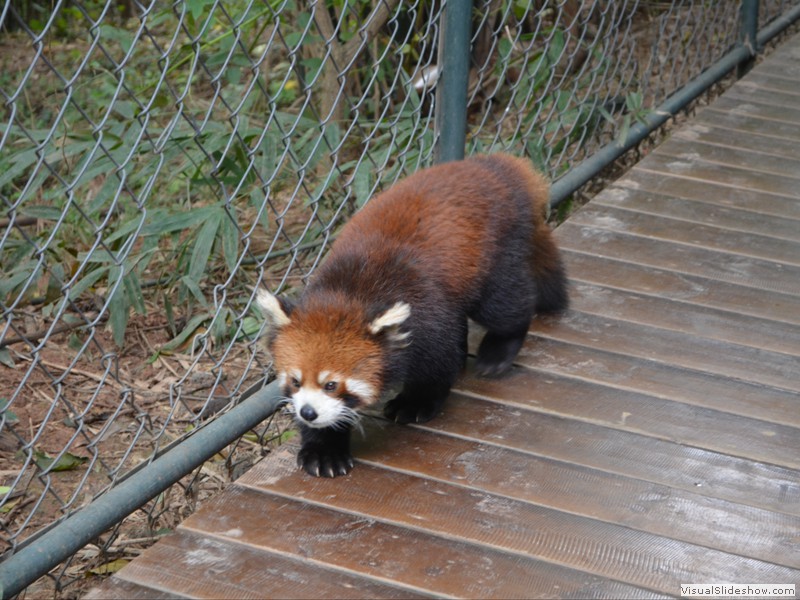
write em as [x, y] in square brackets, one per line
[106, 429]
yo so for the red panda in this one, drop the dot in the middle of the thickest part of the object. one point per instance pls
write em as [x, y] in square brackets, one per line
[388, 308]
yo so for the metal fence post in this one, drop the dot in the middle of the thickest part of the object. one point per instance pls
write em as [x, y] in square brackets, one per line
[748, 32]
[451, 89]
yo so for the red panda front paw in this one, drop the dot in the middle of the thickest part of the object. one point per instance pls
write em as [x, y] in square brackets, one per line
[318, 462]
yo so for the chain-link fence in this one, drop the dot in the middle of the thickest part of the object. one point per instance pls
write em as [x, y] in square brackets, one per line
[159, 161]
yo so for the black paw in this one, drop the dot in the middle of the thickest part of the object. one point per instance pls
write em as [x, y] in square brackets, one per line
[496, 354]
[407, 408]
[320, 462]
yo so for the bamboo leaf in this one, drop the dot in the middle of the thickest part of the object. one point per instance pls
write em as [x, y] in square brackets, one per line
[118, 311]
[192, 326]
[66, 462]
[6, 358]
[110, 567]
[230, 242]
[133, 290]
[203, 245]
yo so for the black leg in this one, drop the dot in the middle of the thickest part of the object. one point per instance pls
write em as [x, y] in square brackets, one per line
[417, 403]
[325, 452]
[497, 352]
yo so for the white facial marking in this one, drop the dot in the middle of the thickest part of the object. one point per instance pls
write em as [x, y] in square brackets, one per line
[326, 376]
[365, 392]
[271, 308]
[391, 318]
[328, 410]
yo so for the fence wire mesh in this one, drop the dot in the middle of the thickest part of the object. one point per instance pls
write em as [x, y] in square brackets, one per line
[159, 161]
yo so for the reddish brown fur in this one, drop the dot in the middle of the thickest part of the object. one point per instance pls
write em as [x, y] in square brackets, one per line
[462, 239]
[453, 236]
[349, 351]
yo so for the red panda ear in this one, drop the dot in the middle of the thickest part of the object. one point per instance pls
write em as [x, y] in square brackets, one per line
[277, 310]
[391, 319]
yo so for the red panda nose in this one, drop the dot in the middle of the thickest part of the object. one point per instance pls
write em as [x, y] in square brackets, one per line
[308, 413]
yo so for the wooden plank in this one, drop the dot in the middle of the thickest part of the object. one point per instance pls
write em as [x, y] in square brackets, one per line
[685, 232]
[690, 352]
[748, 124]
[602, 388]
[201, 566]
[755, 303]
[610, 551]
[581, 490]
[787, 51]
[665, 313]
[726, 136]
[778, 80]
[697, 168]
[531, 430]
[690, 150]
[116, 588]
[781, 108]
[717, 193]
[682, 258]
[699, 212]
[355, 543]
[756, 95]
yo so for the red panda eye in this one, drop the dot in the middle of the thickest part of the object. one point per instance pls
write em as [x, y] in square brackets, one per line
[331, 386]
[295, 382]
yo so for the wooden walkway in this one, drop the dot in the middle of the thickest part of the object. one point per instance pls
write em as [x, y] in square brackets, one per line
[648, 438]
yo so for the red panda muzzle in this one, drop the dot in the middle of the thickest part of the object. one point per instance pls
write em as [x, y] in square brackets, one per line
[389, 306]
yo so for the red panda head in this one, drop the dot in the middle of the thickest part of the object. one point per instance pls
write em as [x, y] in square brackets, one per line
[329, 354]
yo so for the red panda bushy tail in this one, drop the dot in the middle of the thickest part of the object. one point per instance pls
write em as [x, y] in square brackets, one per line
[548, 270]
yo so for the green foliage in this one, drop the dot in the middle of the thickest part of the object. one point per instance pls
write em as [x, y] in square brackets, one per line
[155, 173]
[127, 191]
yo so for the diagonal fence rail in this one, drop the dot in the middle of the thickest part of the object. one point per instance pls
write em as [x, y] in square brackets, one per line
[158, 162]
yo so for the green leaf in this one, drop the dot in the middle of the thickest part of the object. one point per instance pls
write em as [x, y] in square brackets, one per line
[362, 183]
[86, 282]
[203, 245]
[122, 36]
[119, 312]
[197, 7]
[194, 289]
[555, 48]
[37, 211]
[230, 242]
[110, 567]
[195, 322]
[66, 462]
[133, 291]
[6, 508]
[9, 416]
[6, 358]
[624, 129]
[250, 327]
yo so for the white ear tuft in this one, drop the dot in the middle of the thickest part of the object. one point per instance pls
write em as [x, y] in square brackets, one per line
[271, 308]
[393, 317]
